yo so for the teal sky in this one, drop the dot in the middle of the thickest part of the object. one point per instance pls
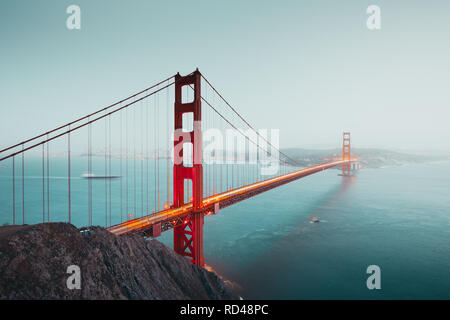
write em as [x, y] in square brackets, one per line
[310, 68]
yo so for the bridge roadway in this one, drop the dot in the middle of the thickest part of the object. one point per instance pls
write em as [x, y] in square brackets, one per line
[153, 224]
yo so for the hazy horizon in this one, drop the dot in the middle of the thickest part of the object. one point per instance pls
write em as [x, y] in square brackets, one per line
[311, 69]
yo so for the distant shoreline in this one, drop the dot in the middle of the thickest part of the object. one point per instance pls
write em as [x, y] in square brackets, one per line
[369, 158]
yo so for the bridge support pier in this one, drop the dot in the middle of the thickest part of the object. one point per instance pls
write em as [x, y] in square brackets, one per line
[188, 237]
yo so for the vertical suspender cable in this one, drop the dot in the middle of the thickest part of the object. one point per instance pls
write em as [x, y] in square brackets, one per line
[23, 186]
[68, 172]
[168, 148]
[147, 107]
[90, 172]
[142, 158]
[126, 160]
[43, 184]
[48, 182]
[204, 128]
[157, 144]
[121, 180]
[14, 189]
[213, 162]
[106, 173]
[154, 144]
[110, 208]
[134, 160]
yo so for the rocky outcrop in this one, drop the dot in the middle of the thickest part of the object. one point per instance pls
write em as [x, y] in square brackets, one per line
[34, 261]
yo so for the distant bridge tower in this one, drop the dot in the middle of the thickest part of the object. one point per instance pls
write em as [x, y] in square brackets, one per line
[346, 167]
[188, 237]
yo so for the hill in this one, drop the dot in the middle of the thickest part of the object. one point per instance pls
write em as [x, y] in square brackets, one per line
[34, 261]
[369, 157]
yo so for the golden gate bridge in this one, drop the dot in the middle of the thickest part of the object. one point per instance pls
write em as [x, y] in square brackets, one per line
[152, 143]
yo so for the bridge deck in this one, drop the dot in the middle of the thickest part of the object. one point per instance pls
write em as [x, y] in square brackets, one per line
[172, 217]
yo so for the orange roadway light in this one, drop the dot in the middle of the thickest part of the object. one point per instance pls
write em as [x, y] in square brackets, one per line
[174, 212]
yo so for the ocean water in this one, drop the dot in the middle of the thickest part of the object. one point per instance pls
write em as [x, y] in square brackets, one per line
[113, 201]
[396, 217]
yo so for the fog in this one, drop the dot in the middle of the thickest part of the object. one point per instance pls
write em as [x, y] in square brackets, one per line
[310, 69]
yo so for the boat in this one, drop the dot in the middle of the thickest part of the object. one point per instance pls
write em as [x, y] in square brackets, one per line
[90, 175]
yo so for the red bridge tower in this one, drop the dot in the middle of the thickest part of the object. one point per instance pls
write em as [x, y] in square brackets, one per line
[346, 167]
[188, 237]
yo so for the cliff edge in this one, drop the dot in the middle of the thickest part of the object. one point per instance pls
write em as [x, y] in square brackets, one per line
[34, 261]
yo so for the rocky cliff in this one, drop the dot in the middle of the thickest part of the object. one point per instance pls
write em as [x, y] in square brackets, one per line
[34, 261]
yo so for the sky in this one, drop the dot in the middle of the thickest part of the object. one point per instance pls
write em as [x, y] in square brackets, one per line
[310, 68]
